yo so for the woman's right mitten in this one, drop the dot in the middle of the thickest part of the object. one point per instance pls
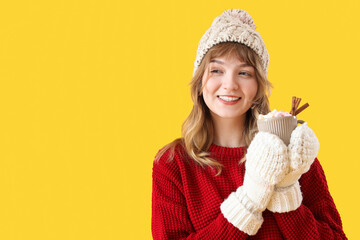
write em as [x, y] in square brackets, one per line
[266, 165]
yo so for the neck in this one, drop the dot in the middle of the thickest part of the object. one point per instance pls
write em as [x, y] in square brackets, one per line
[228, 131]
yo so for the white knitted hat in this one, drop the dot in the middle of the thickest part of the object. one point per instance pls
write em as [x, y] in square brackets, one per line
[233, 25]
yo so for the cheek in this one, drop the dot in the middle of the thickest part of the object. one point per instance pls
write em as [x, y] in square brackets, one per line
[209, 91]
[211, 87]
[250, 89]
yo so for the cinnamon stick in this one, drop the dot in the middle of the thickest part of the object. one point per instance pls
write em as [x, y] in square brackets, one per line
[298, 100]
[301, 108]
[293, 102]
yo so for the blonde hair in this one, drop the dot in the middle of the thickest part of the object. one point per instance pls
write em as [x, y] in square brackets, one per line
[197, 129]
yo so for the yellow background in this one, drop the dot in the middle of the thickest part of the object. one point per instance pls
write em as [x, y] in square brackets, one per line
[90, 90]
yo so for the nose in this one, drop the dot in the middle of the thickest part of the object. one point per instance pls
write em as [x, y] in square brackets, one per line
[230, 82]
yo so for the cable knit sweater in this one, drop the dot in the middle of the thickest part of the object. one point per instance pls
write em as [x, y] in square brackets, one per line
[186, 201]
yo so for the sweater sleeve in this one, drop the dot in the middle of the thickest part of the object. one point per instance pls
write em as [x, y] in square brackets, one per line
[170, 216]
[317, 216]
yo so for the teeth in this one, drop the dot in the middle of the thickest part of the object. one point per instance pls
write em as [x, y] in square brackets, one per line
[229, 99]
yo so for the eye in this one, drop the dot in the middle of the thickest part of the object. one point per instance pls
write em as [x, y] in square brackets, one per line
[244, 73]
[215, 71]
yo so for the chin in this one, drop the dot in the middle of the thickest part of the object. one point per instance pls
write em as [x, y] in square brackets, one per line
[231, 115]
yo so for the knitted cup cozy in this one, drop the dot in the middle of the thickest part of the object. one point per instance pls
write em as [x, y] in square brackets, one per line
[233, 25]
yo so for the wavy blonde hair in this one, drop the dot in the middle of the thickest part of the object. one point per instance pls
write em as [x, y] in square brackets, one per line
[197, 129]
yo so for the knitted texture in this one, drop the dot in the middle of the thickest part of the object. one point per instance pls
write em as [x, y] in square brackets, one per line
[233, 25]
[303, 148]
[286, 199]
[186, 201]
[267, 158]
[266, 165]
[237, 209]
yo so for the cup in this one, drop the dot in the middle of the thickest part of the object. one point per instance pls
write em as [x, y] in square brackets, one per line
[280, 126]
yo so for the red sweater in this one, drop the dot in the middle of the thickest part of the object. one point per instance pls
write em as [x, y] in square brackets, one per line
[186, 202]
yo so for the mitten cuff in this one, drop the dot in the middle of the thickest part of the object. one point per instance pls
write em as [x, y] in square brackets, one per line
[286, 199]
[241, 215]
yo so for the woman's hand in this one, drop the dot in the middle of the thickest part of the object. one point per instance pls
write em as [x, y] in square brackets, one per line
[266, 165]
[303, 149]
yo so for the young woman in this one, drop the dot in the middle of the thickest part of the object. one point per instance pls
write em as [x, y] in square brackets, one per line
[225, 180]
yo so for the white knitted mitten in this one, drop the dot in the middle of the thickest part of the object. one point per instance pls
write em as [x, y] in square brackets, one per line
[303, 148]
[266, 165]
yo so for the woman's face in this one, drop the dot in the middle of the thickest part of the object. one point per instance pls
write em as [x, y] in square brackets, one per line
[229, 87]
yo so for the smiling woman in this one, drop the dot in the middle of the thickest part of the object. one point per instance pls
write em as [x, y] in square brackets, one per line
[200, 187]
[198, 128]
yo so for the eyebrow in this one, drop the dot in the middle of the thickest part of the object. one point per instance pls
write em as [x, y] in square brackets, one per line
[221, 62]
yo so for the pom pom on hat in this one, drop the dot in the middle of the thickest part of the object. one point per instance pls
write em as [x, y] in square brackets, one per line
[242, 15]
[233, 25]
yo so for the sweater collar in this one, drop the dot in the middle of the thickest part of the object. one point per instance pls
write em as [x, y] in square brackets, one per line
[221, 151]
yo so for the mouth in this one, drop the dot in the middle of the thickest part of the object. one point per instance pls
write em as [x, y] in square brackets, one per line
[229, 98]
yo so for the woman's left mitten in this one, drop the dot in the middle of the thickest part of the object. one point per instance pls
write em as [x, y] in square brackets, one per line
[303, 149]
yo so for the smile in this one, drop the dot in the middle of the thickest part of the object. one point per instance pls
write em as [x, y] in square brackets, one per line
[229, 99]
